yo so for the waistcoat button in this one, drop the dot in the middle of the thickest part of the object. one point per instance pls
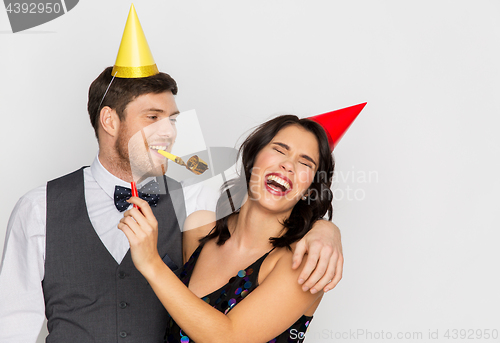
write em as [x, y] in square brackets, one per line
[121, 275]
[123, 334]
[123, 304]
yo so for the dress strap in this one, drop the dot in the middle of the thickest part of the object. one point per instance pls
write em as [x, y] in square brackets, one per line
[256, 265]
[270, 251]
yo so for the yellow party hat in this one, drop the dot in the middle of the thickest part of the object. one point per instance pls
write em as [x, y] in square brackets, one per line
[134, 57]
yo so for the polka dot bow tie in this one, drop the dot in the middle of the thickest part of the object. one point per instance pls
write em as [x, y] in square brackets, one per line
[149, 193]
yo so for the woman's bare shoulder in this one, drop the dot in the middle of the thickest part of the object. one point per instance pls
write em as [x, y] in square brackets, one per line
[278, 257]
[199, 220]
[197, 225]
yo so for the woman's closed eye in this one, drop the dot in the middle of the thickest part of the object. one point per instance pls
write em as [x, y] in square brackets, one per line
[306, 164]
[278, 150]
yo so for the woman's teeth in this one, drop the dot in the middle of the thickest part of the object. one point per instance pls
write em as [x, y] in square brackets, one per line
[279, 181]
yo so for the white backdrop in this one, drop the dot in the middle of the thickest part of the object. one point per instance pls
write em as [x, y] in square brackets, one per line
[417, 188]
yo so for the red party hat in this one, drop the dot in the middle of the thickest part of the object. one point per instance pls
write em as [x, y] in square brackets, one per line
[337, 122]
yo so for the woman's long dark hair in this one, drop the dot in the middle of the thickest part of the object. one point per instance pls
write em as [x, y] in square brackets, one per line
[305, 212]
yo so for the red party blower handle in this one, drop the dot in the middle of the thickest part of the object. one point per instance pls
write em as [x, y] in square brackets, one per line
[135, 193]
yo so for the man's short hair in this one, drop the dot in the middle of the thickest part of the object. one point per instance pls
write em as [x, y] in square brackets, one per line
[122, 92]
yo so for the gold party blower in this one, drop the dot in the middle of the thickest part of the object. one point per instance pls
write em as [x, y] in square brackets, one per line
[194, 164]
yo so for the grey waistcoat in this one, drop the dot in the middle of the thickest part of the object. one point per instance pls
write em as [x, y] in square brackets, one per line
[89, 297]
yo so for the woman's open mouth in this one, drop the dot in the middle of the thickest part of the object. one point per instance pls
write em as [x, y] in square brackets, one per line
[278, 184]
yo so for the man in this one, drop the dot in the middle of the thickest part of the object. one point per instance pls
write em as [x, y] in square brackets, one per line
[65, 256]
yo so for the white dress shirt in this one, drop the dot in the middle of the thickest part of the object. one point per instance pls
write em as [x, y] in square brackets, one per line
[22, 307]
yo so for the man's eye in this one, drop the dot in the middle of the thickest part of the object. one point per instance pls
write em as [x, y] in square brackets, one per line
[278, 150]
[173, 120]
[153, 117]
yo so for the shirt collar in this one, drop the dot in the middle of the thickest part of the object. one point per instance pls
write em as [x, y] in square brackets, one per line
[105, 179]
[108, 181]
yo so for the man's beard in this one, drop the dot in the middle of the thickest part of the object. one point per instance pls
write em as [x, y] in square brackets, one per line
[121, 148]
[137, 162]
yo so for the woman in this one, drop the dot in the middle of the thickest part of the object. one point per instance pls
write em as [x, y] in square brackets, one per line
[287, 169]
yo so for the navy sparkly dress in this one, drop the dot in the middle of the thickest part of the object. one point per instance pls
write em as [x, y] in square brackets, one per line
[226, 297]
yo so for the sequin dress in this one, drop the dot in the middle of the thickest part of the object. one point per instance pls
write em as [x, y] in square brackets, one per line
[226, 297]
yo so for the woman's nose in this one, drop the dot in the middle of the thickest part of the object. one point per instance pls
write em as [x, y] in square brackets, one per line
[287, 166]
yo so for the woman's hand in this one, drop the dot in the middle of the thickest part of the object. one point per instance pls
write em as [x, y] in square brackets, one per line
[141, 228]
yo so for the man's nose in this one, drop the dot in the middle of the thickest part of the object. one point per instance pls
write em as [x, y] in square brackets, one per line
[166, 128]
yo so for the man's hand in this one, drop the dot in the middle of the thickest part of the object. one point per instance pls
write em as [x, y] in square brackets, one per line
[323, 268]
